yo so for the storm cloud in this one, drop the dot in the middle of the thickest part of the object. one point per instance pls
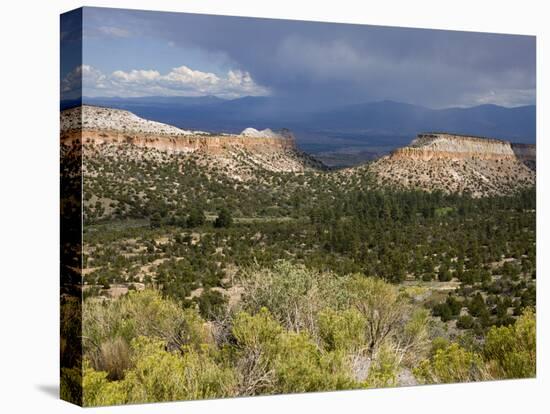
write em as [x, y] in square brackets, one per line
[325, 64]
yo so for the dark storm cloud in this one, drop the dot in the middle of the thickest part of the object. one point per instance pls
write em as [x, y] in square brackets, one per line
[70, 37]
[313, 62]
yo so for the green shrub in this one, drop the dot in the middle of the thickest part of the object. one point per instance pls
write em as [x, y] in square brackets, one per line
[160, 375]
[99, 391]
[450, 364]
[212, 304]
[511, 350]
[139, 313]
[342, 330]
[294, 294]
[224, 218]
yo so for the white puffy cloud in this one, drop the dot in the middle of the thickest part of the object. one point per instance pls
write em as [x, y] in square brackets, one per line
[181, 80]
[135, 76]
[81, 78]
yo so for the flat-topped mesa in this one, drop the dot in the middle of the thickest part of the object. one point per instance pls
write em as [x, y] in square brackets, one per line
[98, 125]
[454, 147]
[458, 164]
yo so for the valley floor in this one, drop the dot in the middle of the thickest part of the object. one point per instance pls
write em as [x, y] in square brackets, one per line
[261, 281]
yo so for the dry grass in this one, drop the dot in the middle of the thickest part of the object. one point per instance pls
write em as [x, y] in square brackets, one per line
[113, 357]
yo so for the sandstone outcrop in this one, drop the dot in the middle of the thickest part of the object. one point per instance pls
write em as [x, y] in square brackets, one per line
[455, 147]
[98, 125]
[211, 144]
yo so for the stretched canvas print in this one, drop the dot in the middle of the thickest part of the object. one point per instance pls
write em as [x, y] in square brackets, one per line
[256, 206]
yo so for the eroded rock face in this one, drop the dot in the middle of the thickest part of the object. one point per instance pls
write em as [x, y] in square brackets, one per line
[455, 147]
[457, 163]
[527, 153]
[98, 125]
[211, 144]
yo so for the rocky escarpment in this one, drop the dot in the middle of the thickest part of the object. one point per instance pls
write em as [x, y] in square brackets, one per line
[99, 129]
[526, 153]
[210, 144]
[454, 147]
[98, 125]
[458, 163]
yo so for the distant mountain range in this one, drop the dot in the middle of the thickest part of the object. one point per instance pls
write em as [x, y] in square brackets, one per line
[374, 127]
[389, 117]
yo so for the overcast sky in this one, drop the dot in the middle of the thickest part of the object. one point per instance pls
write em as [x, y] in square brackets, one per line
[137, 53]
